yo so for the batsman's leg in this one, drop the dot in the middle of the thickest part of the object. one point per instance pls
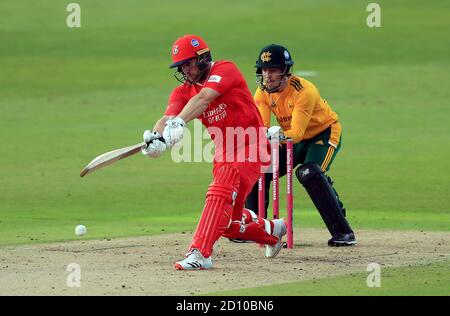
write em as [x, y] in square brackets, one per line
[215, 218]
[267, 232]
[246, 225]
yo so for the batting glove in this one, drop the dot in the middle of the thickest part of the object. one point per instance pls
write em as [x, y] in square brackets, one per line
[155, 147]
[173, 131]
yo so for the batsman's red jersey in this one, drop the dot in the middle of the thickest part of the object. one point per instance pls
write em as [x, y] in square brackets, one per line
[234, 108]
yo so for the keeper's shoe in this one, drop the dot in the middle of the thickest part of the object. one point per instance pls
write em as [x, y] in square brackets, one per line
[194, 261]
[339, 240]
[279, 230]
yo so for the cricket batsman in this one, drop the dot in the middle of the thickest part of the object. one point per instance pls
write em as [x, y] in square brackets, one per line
[315, 130]
[217, 94]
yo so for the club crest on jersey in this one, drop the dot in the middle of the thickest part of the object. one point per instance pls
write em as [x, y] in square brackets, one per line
[265, 57]
[175, 50]
[194, 42]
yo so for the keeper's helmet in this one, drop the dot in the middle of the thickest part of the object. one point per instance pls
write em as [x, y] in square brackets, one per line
[273, 56]
[186, 48]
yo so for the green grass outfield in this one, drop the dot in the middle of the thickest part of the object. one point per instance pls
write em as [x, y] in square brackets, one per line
[421, 280]
[68, 95]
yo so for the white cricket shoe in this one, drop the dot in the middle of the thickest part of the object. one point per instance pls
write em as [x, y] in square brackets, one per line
[194, 261]
[279, 230]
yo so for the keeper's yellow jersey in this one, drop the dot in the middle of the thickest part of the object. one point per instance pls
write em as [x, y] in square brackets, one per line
[299, 110]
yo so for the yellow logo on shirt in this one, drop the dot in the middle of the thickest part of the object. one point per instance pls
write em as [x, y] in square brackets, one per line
[265, 57]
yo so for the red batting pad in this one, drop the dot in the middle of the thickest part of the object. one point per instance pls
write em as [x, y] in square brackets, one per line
[216, 215]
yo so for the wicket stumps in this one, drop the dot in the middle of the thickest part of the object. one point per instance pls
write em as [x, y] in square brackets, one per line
[276, 189]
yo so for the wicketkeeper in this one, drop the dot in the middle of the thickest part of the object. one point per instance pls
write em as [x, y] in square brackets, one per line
[217, 94]
[313, 126]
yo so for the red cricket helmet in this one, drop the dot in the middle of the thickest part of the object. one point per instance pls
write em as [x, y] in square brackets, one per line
[187, 47]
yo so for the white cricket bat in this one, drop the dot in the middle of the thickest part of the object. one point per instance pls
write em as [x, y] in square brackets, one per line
[111, 157]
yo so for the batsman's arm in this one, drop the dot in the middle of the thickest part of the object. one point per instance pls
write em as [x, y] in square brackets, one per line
[198, 104]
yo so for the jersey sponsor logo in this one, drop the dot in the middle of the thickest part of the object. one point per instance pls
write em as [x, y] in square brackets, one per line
[215, 78]
[194, 42]
[265, 57]
[284, 119]
[215, 115]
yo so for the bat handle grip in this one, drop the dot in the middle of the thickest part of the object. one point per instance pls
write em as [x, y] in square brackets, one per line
[161, 139]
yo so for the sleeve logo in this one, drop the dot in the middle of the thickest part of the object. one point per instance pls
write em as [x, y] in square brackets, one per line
[215, 78]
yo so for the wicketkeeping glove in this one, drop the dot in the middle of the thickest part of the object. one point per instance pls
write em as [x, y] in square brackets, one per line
[155, 147]
[173, 131]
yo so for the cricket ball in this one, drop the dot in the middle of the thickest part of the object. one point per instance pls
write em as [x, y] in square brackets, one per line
[80, 230]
